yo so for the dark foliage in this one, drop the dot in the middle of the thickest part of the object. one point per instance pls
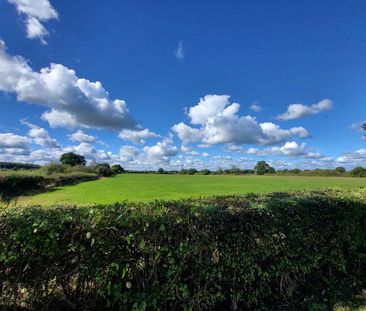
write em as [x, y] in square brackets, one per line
[259, 252]
[72, 159]
[117, 169]
[262, 167]
[18, 166]
[14, 185]
[358, 171]
[103, 169]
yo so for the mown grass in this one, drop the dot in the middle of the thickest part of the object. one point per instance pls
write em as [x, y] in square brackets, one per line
[147, 187]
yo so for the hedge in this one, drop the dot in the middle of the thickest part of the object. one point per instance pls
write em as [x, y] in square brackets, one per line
[15, 184]
[282, 251]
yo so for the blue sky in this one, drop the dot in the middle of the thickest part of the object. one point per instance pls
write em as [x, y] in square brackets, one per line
[179, 84]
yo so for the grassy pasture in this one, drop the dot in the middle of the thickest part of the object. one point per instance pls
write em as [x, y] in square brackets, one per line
[146, 187]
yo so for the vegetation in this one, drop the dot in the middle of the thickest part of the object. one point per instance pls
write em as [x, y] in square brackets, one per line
[148, 187]
[17, 166]
[262, 168]
[358, 172]
[69, 171]
[285, 251]
[16, 183]
[72, 159]
[117, 169]
[103, 169]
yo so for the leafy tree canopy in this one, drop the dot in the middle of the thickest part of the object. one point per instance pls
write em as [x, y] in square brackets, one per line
[262, 167]
[72, 159]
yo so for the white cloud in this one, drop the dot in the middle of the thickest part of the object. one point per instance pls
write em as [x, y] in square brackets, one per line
[208, 107]
[179, 52]
[35, 11]
[220, 123]
[186, 133]
[164, 148]
[82, 137]
[295, 111]
[74, 101]
[12, 145]
[274, 134]
[56, 118]
[85, 149]
[128, 153]
[10, 140]
[255, 107]
[137, 136]
[356, 158]
[40, 136]
[289, 149]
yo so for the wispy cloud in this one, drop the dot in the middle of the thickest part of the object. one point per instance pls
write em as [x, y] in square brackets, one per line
[179, 52]
[255, 107]
[35, 13]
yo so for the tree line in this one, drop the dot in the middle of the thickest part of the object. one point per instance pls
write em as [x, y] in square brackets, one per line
[261, 168]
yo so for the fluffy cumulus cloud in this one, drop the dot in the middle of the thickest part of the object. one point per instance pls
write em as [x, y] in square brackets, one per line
[186, 133]
[35, 12]
[296, 111]
[164, 148]
[220, 123]
[73, 101]
[12, 145]
[137, 136]
[82, 137]
[40, 136]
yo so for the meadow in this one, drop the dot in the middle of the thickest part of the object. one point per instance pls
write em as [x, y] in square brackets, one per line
[147, 187]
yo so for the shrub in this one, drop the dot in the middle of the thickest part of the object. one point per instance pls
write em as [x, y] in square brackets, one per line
[19, 183]
[192, 171]
[340, 169]
[358, 171]
[104, 169]
[117, 169]
[205, 172]
[53, 168]
[13, 185]
[257, 252]
[18, 166]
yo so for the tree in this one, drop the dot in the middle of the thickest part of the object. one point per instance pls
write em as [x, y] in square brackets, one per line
[235, 170]
[161, 171]
[340, 169]
[72, 159]
[206, 172]
[262, 168]
[192, 171]
[103, 169]
[358, 171]
[117, 169]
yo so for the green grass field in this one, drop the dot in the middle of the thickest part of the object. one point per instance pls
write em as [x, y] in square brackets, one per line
[143, 187]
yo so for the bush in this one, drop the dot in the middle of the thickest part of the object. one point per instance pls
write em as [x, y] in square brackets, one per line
[13, 185]
[117, 169]
[18, 166]
[205, 172]
[358, 171]
[103, 169]
[19, 183]
[257, 252]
